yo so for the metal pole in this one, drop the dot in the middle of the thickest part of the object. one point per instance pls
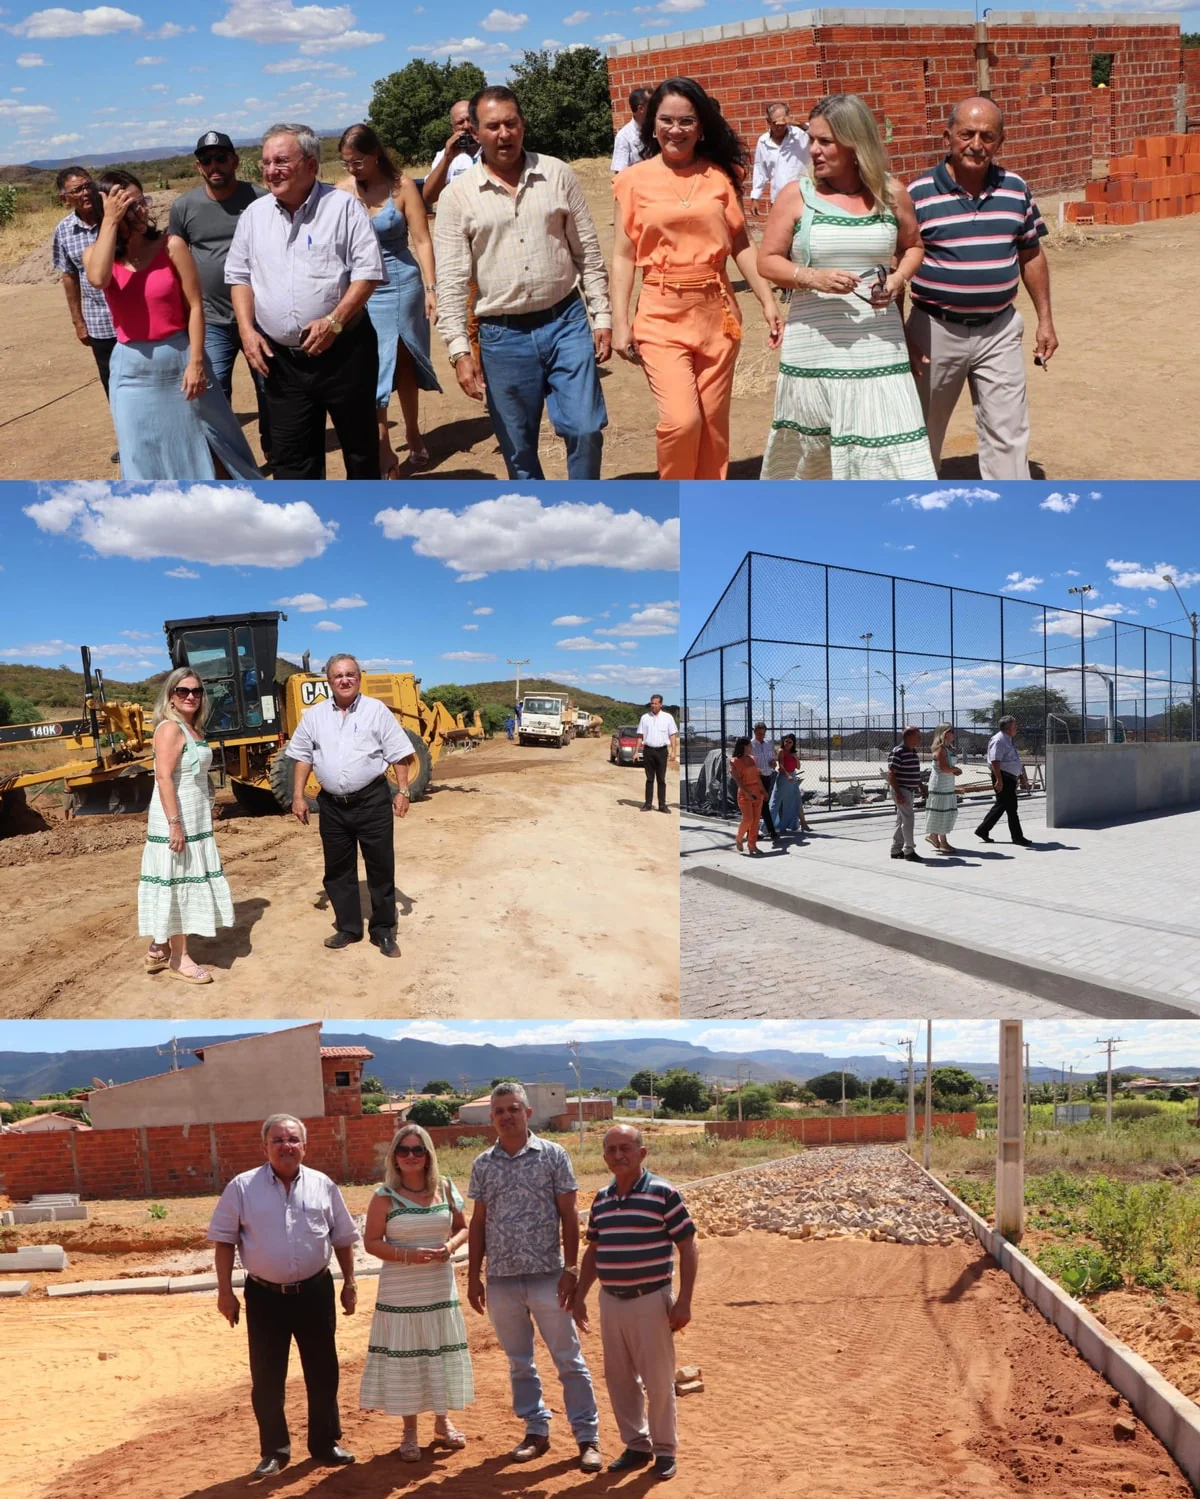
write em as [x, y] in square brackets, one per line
[1028, 1091]
[928, 1092]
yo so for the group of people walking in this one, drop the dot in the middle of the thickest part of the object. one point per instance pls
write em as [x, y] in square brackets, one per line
[329, 292]
[769, 789]
[286, 1222]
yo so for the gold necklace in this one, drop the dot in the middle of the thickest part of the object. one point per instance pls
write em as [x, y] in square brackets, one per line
[685, 202]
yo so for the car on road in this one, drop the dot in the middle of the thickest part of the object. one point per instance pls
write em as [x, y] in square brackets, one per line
[623, 746]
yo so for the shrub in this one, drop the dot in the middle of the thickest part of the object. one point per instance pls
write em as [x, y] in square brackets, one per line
[14, 708]
[430, 1113]
[8, 203]
[1082, 1271]
[157, 1211]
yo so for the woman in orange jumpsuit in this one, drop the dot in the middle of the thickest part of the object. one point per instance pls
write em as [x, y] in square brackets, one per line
[679, 217]
[751, 794]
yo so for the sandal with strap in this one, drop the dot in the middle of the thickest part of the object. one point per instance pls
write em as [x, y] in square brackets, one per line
[157, 958]
[410, 1448]
[197, 976]
[418, 458]
[446, 1435]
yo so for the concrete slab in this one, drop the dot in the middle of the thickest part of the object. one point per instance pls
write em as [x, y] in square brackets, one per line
[178, 1283]
[13, 1287]
[54, 1199]
[45, 1213]
[36, 1257]
[6, 1218]
[141, 1285]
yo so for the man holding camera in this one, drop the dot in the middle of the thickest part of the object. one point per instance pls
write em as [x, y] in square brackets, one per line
[460, 152]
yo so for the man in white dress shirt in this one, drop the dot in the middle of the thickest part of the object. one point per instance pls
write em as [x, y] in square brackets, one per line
[657, 741]
[302, 264]
[460, 152]
[782, 154]
[1008, 773]
[627, 147]
[348, 741]
[286, 1222]
[763, 750]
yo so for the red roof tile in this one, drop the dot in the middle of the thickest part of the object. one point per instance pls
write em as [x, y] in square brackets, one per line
[346, 1051]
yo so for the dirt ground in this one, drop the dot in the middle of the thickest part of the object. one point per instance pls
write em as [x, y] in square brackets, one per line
[831, 1369]
[529, 884]
[1115, 403]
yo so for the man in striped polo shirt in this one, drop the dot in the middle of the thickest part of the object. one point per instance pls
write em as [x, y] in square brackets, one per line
[633, 1227]
[904, 777]
[981, 230]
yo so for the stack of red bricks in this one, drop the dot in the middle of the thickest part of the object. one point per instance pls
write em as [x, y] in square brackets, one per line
[1161, 180]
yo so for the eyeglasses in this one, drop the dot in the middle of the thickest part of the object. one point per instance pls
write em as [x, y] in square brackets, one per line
[353, 161]
[684, 122]
[189, 692]
[413, 1150]
[207, 158]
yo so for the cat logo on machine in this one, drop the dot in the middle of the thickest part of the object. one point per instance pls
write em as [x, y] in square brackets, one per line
[313, 692]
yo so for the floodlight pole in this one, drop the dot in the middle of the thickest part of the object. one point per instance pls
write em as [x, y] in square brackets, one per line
[868, 637]
[928, 1093]
[1010, 1136]
[1083, 592]
[911, 1121]
[573, 1048]
[1194, 620]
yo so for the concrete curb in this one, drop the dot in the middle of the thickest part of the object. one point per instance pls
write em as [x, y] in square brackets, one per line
[157, 1285]
[13, 1287]
[1169, 1414]
[1092, 996]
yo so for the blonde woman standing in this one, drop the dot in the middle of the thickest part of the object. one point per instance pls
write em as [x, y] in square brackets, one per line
[941, 806]
[417, 1357]
[182, 889]
[846, 406]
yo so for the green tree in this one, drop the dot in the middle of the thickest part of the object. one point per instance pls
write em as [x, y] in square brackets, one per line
[371, 1107]
[1178, 1095]
[955, 1082]
[430, 1112]
[757, 1103]
[684, 1092]
[373, 1085]
[784, 1090]
[565, 101]
[411, 109]
[828, 1087]
[626, 1095]
[439, 1085]
[1028, 705]
[640, 1082]
[457, 699]
[17, 709]
[885, 1087]
[496, 1081]
[493, 715]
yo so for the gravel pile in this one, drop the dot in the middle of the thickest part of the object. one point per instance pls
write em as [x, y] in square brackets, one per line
[872, 1192]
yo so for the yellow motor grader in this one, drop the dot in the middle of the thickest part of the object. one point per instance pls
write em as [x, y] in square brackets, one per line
[251, 716]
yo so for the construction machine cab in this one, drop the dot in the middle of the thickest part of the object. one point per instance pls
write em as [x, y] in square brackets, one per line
[234, 657]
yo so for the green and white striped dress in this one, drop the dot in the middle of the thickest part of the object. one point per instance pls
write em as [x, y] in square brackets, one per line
[846, 406]
[417, 1357]
[184, 893]
[941, 807]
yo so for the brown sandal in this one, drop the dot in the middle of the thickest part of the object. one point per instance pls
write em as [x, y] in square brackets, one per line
[200, 976]
[157, 959]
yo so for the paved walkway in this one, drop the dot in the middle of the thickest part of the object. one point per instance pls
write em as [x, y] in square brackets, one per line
[1100, 920]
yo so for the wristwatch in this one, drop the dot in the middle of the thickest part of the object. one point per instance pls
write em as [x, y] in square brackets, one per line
[334, 323]
[464, 354]
[571, 1270]
[404, 792]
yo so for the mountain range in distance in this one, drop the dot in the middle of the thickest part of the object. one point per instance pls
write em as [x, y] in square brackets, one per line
[148, 153]
[408, 1063]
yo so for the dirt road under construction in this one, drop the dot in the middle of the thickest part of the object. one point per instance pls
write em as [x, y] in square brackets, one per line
[528, 882]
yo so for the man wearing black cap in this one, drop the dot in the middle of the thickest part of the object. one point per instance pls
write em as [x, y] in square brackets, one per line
[205, 220]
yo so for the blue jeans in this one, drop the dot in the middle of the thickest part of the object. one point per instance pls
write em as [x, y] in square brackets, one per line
[515, 1303]
[222, 344]
[544, 359]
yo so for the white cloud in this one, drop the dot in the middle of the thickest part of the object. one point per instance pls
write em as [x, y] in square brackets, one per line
[314, 603]
[48, 649]
[650, 619]
[31, 60]
[891, 546]
[190, 99]
[609, 37]
[470, 627]
[622, 674]
[1067, 621]
[218, 524]
[679, 7]
[550, 45]
[181, 572]
[25, 113]
[466, 656]
[584, 643]
[942, 499]
[466, 46]
[56, 23]
[148, 62]
[516, 532]
[136, 635]
[384, 663]
[343, 43]
[166, 31]
[1134, 575]
[317, 28]
[309, 65]
[1018, 584]
[504, 20]
[577, 18]
[62, 140]
[484, 609]
[326, 625]
[1061, 504]
[572, 619]
[155, 88]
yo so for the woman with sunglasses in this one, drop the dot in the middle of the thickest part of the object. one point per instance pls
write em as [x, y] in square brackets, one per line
[403, 307]
[183, 890]
[679, 217]
[844, 241]
[417, 1357]
[173, 420]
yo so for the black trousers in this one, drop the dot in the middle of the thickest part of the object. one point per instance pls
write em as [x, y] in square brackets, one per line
[768, 781]
[654, 758]
[272, 1321]
[303, 389]
[1006, 802]
[102, 353]
[365, 824]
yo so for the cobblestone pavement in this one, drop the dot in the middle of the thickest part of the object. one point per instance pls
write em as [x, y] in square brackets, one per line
[744, 960]
[1119, 905]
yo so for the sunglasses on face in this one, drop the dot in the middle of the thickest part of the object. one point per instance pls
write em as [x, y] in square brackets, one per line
[208, 158]
[412, 1150]
[189, 691]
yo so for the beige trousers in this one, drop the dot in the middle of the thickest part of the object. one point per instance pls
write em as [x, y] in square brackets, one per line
[639, 1369]
[989, 361]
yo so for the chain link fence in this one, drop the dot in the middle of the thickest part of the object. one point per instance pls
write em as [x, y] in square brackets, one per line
[844, 659]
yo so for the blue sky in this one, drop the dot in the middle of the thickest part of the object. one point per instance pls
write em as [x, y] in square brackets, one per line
[582, 581]
[119, 77]
[1053, 1043]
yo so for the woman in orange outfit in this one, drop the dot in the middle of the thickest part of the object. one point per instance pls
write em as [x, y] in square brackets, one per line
[679, 217]
[751, 794]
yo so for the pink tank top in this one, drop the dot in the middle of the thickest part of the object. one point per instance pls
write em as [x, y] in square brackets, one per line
[146, 305]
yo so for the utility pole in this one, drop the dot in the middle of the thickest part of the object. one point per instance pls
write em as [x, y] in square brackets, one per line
[1108, 1042]
[843, 1090]
[911, 1123]
[1083, 592]
[1194, 620]
[174, 1051]
[928, 1092]
[573, 1048]
[518, 665]
[1028, 1091]
[739, 1067]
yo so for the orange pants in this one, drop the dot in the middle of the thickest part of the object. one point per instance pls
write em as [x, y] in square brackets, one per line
[689, 358]
[751, 810]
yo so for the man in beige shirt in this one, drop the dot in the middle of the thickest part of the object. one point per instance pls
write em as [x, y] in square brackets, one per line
[517, 225]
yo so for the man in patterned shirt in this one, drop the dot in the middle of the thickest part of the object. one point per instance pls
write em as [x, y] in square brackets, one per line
[75, 234]
[524, 1193]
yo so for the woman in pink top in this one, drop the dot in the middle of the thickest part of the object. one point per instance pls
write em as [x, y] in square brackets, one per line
[172, 418]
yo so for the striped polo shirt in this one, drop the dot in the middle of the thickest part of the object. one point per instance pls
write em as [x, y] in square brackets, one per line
[971, 266]
[634, 1235]
[905, 765]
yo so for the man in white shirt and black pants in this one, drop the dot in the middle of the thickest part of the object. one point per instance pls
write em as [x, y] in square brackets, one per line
[287, 1222]
[1008, 773]
[348, 741]
[763, 751]
[658, 741]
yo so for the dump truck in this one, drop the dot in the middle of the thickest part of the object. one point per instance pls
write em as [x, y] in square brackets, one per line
[251, 716]
[583, 723]
[546, 718]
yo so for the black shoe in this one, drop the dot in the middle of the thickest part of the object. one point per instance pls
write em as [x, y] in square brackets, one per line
[340, 940]
[914, 857]
[269, 1466]
[646, 807]
[387, 945]
[664, 1467]
[897, 853]
[983, 837]
[336, 1457]
[114, 458]
[629, 1460]
[664, 809]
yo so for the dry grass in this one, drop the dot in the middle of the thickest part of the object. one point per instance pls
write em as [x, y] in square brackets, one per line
[755, 374]
[1081, 237]
[26, 233]
[1140, 1149]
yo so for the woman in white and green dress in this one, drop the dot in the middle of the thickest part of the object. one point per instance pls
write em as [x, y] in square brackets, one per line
[183, 891]
[845, 243]
[941, 806]
[417, 1357]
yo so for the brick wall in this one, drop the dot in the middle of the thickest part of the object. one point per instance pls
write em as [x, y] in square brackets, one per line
[855, 1129]
[194, 1160]
[1191, 76]
[911, 76]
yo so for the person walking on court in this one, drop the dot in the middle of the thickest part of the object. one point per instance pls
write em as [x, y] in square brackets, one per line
[657, 741]
[1008, 773]
[286, 1222]
[751, 795]
[763, 751]
[349, 741]
[904, 777]
[941, 800]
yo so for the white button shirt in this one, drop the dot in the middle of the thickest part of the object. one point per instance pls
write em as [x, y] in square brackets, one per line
[763, 754]
[627, 148]
[349, 750]
[1002, 751]
[282, 1236]
[657, 729]
[775, 165]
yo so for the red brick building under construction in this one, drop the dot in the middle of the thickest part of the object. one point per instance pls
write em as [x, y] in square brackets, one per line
[912, 66]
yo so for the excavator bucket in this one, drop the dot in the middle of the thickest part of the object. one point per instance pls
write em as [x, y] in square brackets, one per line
[106, 798]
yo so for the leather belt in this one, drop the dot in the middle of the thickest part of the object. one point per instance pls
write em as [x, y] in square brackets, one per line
[963, 320]
[352, 798]
[532, 319]
[292, 1288]
[630, 1293]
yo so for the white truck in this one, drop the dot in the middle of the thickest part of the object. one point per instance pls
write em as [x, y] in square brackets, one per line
[546, 718]
[583, 723]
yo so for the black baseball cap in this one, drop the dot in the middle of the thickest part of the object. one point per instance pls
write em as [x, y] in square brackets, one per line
[213, 140]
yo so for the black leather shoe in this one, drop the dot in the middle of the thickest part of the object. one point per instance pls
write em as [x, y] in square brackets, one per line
[664, 1467]
[629, 1460]
[336, 1457]
[983, 837]
[664, 809]
[646, 807]
[388, 946]
[913, 857]
[269, 1466]
[341, 939]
